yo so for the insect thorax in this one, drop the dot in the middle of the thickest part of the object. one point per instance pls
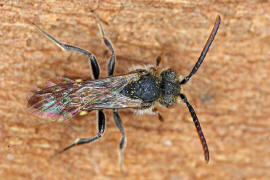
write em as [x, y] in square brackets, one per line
[146, 88]
[163, 88]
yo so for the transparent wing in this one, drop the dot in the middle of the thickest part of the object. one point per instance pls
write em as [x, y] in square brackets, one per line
[69, 98]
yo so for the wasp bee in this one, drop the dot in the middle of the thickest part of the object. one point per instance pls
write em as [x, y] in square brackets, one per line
[140, 89]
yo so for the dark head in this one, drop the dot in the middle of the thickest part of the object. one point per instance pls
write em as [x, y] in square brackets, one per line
[170, 88]
[149, 88]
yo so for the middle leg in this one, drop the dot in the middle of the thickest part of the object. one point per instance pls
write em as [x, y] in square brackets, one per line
[118, 123]
[106, 41]
[110, 69]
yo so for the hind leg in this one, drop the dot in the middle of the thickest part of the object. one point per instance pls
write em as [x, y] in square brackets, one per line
[80, 141]
[92, 59]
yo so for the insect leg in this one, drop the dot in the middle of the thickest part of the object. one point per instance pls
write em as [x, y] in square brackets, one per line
[111, 62]
[204, 51]
[160, 118]
[118, 123]
[197, 125]
[80, 141]
[110, 69]
[92, 59]
[158, 60]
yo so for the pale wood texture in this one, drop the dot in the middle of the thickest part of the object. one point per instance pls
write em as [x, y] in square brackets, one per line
[230, 92]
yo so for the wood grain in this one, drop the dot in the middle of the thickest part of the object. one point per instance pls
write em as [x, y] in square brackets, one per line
[230, 92]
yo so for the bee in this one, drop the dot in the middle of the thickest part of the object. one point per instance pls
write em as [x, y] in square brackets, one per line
[140, 89]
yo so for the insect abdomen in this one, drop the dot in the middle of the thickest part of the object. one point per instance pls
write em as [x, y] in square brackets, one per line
[147, 88]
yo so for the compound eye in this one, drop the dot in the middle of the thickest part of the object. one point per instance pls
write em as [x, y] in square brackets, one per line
[168, 100]
[168, 75]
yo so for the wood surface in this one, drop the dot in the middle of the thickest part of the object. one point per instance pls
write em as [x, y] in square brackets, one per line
[230, 92]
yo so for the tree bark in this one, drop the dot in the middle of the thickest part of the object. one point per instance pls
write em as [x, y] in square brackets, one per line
[230, 91]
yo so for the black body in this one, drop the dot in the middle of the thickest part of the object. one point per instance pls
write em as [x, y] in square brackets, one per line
[150, 87]
[146, 88]
[170, 88]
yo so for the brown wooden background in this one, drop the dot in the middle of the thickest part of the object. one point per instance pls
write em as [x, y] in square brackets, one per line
[230, 92]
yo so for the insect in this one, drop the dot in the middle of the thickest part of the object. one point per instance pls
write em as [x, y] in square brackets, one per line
[140, 89]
